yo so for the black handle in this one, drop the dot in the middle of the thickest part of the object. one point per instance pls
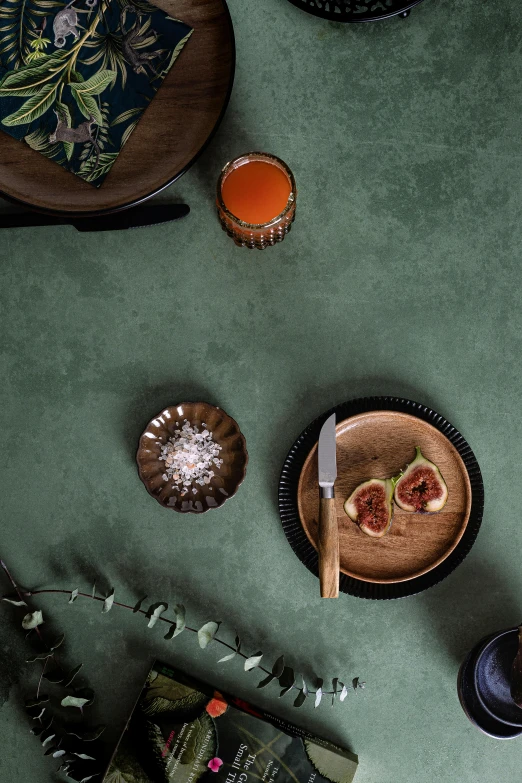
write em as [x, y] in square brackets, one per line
[136, 217]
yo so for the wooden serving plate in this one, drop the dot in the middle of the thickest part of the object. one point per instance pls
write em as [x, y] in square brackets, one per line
[378, 444]
[174, 129]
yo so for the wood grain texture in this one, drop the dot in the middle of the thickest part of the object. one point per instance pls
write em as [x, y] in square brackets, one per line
[328, 547]
[377, 445]
[170, 134]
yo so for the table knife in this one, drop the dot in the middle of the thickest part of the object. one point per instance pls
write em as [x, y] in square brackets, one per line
[328, 539]
[135, 217]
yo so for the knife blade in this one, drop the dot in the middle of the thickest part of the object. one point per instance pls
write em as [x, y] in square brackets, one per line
[327, 456]
[135, 217]
[328, 535]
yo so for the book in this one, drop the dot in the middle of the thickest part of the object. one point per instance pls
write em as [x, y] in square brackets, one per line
[184, 731]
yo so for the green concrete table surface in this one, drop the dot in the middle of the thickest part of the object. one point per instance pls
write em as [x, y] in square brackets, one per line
[401, 276]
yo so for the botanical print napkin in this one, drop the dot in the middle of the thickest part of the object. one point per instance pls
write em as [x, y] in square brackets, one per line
[75, 77]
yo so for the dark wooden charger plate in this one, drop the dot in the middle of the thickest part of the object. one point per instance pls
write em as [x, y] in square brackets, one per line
[172, 132]
[466, 533]
[377, 444]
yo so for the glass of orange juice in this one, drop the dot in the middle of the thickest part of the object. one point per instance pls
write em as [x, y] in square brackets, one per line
[256, 196]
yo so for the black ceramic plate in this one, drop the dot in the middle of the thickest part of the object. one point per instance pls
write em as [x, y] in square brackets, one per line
[289, 512]
[356, 10]
[471, 704]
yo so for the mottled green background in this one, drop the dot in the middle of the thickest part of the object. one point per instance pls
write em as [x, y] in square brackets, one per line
[401, 276]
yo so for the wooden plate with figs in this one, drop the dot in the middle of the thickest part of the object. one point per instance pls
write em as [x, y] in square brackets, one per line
[379, 444]
[199, 496]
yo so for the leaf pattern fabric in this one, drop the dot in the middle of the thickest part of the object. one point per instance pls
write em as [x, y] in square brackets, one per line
[75, 77]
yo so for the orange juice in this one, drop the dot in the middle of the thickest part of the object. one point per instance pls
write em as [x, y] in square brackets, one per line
[255, 200]
[256, 192]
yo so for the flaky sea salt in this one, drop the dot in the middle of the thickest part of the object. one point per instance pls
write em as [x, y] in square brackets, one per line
[189, 456]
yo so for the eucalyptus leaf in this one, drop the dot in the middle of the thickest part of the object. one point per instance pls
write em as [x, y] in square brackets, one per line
[253, 661]
[335, 683]
[171, 632]
[85, 693]
[93, 594]
[74, 701]
[84, 757]
[300, 699]
[41, 699]
[344, 693]
[227, 657]
[107, 604]
[88, 735]
[14, 601]
[287, 677]
[237, 642]
[318, 697]
[279, 666]
[180, 613]
[74, 595]
[305, 686]
[179, 627]
[58, 753]
[285, 691]
[58, 642]
[357, 684]
[55, 675]
[206, 633]
[72, 674]
[46, 736]
[138, 605]
[154, 613]
[266, 681]
[32, 620]
[89, 777]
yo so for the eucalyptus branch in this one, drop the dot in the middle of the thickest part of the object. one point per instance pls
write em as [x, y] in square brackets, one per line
[80, 698]
[279, 671]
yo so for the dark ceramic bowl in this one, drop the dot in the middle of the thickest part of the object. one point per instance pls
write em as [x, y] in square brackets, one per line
[228, 476]
[472, 705]
[492, 677]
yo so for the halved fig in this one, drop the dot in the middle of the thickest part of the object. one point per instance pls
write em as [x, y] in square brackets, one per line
[371, 506]
[421, 486]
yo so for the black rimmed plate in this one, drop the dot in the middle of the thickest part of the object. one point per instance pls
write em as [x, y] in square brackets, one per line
[289, 512]
[356, 10]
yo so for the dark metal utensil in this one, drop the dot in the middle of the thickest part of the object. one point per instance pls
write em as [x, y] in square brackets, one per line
[137, 217]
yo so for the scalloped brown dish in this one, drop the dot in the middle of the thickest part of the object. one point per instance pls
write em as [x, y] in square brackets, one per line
[228, 476]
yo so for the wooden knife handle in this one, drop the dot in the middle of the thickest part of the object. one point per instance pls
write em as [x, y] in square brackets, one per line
[328, 549]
